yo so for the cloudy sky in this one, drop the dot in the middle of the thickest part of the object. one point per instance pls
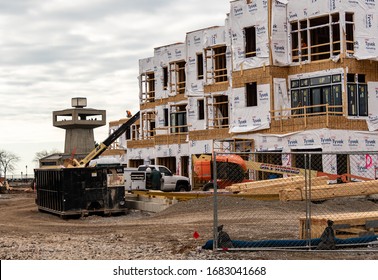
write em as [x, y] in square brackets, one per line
[51, 51]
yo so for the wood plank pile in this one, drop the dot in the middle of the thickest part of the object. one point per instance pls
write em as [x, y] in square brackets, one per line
[331, 191]
[346, 225]
[274, 186]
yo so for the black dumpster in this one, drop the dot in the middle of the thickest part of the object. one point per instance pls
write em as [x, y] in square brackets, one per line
[80, 191]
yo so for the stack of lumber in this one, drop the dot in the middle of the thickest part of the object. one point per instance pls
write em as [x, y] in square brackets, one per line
[274, 186]
[331, 191]
[346, 225]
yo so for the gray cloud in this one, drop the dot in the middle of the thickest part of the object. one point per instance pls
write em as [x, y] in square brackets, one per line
[52, 51]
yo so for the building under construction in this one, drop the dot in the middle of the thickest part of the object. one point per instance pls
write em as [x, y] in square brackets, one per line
[280, 76]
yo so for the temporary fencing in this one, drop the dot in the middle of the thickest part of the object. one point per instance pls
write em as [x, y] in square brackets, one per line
[284, 201]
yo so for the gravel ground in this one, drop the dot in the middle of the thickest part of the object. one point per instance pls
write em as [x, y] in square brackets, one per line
[27, 234]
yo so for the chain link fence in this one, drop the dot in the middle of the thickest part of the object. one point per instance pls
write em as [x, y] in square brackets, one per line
[285, 201]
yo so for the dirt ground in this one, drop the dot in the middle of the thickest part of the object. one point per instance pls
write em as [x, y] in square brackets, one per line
[27, 234]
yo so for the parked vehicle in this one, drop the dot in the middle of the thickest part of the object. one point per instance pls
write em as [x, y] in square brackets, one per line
[140, 179]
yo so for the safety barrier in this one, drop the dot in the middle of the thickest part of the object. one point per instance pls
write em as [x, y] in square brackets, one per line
[335, 193]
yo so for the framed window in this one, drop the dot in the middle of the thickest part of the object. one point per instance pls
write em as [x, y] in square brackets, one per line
[349, 32]
[165, 77]
[319, 38]
[251, 94]
[178, 77]
[149, 118]
[148, 86]
[201, 109]
[316, 91]
[178, 120]
[199, 66]
[216, 61]
[166, 119]
[357, 95]
[221, 111]
[250, 41]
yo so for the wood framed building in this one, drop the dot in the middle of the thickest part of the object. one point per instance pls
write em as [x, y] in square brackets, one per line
[283, 76]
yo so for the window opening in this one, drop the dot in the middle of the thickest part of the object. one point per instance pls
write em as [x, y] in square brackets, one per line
[199, 66]
[319, 38]
[166, 118]
[148, 87]
[149, 118]
[349, 32]
[220, 111]
[357, 95]
[250, 41]
[216, 65]
[165, 78]
[251, 92]
[178, 119]
[178, 77]
[316, 91]
[201, 109]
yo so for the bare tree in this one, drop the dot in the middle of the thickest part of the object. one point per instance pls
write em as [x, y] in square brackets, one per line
[8, 162]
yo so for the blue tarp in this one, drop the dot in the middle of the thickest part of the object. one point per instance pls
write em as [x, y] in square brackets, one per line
[295, 242]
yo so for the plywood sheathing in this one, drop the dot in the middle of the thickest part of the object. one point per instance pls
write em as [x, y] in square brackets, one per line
[140, 144]
[216, 87]
[209, 134]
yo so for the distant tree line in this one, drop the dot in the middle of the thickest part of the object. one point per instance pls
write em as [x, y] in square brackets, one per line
[8, 162]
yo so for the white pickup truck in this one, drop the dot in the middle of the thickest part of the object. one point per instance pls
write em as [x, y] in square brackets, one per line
[170, 183]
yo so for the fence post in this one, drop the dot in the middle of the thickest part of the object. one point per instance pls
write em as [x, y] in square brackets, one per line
[215, 197]
[308, 220]
[309, 198]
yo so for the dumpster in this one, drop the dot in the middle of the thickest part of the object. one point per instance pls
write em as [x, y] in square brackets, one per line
[80, 191]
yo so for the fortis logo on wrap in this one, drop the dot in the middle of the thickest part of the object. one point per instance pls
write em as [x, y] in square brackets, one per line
[353, 142]
[370, 143]
[292, 143]
[194, 87]
[242, 123]
[256, 121]
[325, 140]
[197, 40]
[369, 45]
[332, 5]
[308, 142]
[279, 48]
[279, 5]
[214, 39]
[369, 20]
[337, 142]
[191, 61]
[178, 53]
[264, 96]
[370, 3]
[252, 7]
[293, 15]
[260, 30]
[238, 11]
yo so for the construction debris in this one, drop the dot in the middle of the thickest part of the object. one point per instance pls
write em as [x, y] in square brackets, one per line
[274, 186]
[330, 191]
[346, 225]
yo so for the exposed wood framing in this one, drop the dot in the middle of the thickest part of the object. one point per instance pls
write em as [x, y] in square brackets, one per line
[346, 225]
[331, 191]
[274, 186]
